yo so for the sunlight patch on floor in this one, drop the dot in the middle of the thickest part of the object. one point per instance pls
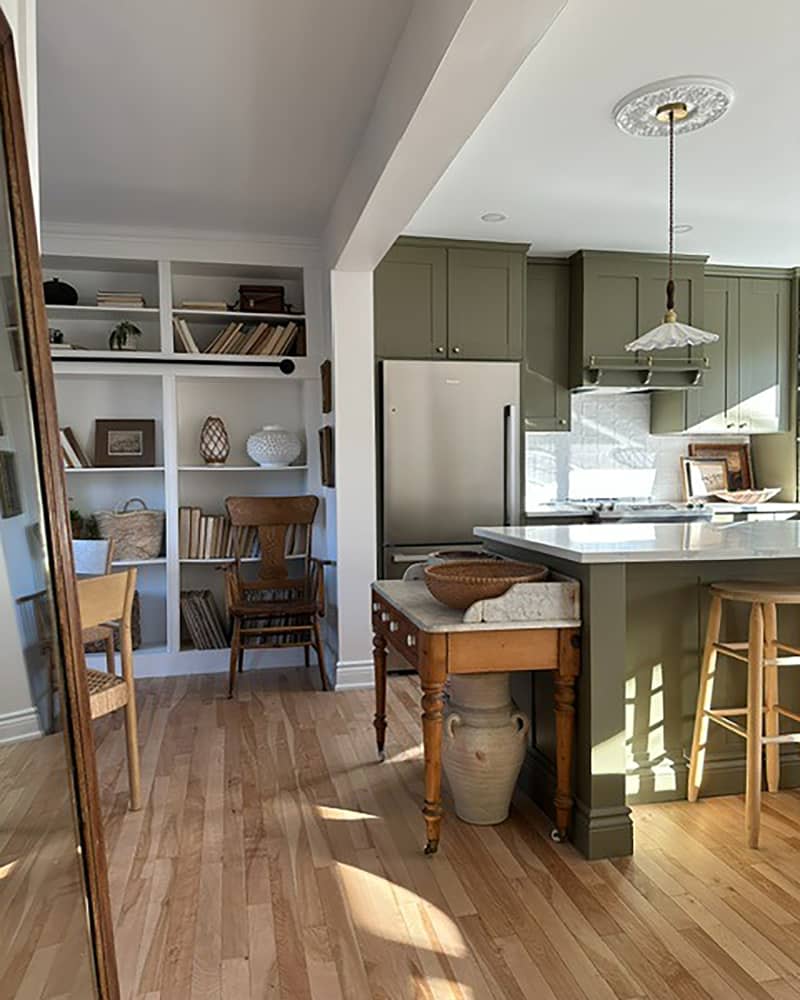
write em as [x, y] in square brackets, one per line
[337, 813]
[374, 903]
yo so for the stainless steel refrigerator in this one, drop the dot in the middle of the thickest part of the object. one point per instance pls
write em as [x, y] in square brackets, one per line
[450, 455]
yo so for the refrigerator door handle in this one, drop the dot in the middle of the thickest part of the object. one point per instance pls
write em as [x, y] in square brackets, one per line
[511, 478]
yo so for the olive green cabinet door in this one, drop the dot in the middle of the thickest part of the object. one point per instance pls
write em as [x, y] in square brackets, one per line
[711, 408]
[545, 367]
[485, 296]
[410, 295]
[653, 304]
[764, 339]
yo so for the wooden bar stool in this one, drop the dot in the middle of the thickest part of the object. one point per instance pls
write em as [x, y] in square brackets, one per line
[763, 710]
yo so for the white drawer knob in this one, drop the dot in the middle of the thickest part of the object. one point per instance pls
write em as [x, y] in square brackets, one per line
[394, 626]
[385, 616]
[411, 640]
[375, 606]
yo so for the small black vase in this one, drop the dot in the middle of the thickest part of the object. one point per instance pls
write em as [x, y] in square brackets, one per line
[59, 293]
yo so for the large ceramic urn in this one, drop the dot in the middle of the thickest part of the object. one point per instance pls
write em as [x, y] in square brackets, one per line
[485, 738]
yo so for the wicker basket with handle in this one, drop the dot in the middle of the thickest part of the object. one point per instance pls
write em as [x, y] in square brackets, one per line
[137, 533]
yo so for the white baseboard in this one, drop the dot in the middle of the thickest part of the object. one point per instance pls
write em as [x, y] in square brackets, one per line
[354, 674]
[22, 725]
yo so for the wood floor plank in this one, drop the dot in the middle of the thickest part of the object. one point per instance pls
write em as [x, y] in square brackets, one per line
[277, 858]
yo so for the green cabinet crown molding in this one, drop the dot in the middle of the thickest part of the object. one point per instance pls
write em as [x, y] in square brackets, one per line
[432, 241]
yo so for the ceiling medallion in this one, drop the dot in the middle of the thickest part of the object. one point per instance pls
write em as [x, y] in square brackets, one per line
[706, 100]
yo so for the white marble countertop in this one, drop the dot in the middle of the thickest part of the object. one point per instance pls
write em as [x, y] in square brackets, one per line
[564, 509]
[638, 542]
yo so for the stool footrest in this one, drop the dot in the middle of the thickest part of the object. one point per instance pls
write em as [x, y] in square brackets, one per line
[730, 649]
[726, 723]
[787, 713]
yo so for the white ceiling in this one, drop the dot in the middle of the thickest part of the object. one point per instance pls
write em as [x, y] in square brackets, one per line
[549, 156]
[236, 117]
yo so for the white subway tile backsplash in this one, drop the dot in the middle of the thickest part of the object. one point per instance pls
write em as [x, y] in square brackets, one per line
[609, 452]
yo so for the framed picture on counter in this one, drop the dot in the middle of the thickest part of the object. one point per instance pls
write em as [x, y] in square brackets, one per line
[703, 477]
[736, 456]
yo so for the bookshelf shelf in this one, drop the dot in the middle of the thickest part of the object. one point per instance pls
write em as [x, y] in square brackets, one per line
[116, 469]
[102, 312]
[161, 561]
[179, 390]
[240, 468]
[211, 316]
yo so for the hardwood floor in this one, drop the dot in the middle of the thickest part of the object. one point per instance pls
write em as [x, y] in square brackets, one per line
[276, 858]
[44, 942]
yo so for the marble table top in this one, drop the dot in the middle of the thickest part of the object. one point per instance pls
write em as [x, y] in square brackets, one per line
[414, 600]
[639, 542]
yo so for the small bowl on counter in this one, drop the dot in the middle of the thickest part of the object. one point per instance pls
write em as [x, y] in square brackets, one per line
[460, 583]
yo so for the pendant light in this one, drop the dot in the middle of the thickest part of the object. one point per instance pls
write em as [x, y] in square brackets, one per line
[688, 104]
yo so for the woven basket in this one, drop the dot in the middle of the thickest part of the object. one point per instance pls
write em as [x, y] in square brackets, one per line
[460, 584]
[137, 534]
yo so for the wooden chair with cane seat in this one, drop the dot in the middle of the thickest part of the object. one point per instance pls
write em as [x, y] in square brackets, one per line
[93, 557]
[763, 711]
[104, 599]
[277, 608]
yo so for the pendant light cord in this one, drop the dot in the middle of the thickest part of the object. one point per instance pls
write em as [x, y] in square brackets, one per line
[671, 212]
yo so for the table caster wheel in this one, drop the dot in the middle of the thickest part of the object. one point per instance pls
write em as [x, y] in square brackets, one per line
[381, 756]
[431, 847]
[557, 836]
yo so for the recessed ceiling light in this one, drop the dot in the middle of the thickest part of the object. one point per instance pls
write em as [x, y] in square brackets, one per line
[682, 227]
[493, 217]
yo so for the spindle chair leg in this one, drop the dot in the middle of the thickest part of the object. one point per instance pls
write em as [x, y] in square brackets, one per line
[236, 640]
[320, 656]
[771, 698]
[111, 663]
[704, 696]
[755, 713]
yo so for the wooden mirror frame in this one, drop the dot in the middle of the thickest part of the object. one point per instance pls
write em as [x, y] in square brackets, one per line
[34, 342]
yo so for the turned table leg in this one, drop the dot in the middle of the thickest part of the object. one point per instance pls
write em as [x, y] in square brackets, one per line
[379, 658]
[568, 668]
[432, 725]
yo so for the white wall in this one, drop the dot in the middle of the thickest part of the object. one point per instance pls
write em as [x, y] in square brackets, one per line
[21, 15]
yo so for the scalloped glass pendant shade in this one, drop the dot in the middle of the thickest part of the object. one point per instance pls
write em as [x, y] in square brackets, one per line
[671, 333]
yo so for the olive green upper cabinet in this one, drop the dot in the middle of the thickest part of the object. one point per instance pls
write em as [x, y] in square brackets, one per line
[485, 304]
[445, 299]
[615, 298]
[747, 389]
[545, 367]
[410, 293]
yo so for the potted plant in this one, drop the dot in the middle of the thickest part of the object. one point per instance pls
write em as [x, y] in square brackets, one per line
[124, 336]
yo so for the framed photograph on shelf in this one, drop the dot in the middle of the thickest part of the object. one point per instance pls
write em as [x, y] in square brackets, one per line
[737, 457]
[326, 459]
[703, 477]
[326, 374]
[124, 442]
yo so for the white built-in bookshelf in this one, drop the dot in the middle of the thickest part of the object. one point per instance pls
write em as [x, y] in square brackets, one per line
[178, 390]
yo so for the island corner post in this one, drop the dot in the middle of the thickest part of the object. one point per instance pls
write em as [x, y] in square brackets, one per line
[642, 636]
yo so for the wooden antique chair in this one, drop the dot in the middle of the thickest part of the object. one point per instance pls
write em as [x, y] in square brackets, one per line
[104, 599]
[275, 609]
[93, 557]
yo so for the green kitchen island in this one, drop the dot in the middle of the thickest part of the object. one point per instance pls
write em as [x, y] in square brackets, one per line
[644, 603]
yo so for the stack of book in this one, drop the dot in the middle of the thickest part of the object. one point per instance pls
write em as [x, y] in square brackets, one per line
[261, 339]
[211, 536]
[123, 300]
[183, 336]
[201, 620]
[71, 451]
[205, 305]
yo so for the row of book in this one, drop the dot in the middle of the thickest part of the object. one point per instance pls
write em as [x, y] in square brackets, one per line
[241, 338]
[71, 451]
[122, 300]
[201, 620]
[211, 536]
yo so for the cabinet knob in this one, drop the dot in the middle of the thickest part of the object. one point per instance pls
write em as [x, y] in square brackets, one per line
[742, 425]
[385, 616]
[394, 626]
[375, 606]
[563, 422]
[411, 640]
[456, 350]
[440, 350]
[730, 425]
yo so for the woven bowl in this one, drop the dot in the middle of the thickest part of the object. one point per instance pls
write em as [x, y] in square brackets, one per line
[459, 584]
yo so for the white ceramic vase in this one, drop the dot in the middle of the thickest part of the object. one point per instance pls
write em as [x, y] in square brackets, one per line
[485, 738]
[274, 447]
